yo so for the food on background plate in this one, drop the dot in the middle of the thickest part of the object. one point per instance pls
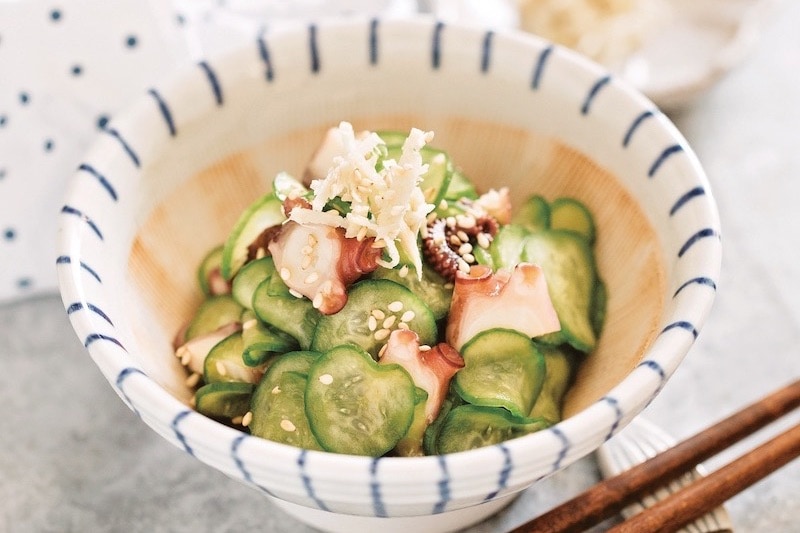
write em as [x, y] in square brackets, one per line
[381, 305]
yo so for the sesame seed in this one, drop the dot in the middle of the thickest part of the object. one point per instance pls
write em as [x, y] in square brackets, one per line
[463, 236]
[402, 325]
[317, 301]
[381, 334]
[378, 314]
[247, 418]
[463, 266]
[469, 258]
[311, 278]
[483, 240]
[372, 323]
[383, 350]
[326, 379]
[285, 274]
[424, 348]
[408, 316]
[295, 293]
[221, 368]
[236, 420]
[455, 240]
[451, 222]
[403, 271]
[193, 379]
[395, 307]
[389, 322]
[276, 389]
[362, 232]
[464, 249]
[287, 425]
[465, 221]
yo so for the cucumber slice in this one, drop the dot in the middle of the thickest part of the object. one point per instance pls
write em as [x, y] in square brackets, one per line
[568, 265]
[550, 403]
[570, 214]
[224, 400]
[502, 368]
[265, 212]
[212, 314]
[432, 288]
[224, 362]
[599, 305]
[262, 342]
[533, 215]
[275, 305]
[460, 187]
[279, 412]
[208, 265]
[356, 406]
[369, 298]
[507, 246]
[248, 279]
[472, 426]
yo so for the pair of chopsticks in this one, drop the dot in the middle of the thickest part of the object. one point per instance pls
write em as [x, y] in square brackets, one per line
[609, 497]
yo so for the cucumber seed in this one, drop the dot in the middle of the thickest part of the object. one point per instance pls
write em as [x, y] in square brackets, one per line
[326, 379]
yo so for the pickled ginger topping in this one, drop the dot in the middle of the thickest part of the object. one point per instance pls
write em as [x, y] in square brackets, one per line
[383, 196]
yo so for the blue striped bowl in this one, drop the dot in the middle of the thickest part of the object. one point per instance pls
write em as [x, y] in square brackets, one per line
[166, 181]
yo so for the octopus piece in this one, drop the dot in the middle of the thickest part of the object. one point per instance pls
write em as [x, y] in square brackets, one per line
[449, 242]
[319, 262]
[193, 353]
[515, 299]
[431, 368]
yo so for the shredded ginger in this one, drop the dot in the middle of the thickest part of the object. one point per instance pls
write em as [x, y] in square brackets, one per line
[386, 204]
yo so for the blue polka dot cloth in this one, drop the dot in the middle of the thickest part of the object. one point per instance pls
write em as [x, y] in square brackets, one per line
[67, 67]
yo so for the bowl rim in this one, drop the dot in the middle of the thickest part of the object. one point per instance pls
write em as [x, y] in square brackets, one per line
[187, 429]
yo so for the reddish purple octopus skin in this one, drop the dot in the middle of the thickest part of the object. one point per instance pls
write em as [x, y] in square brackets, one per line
[441, 252]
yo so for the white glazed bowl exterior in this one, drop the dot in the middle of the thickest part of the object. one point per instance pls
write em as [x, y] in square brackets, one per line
[319, 74]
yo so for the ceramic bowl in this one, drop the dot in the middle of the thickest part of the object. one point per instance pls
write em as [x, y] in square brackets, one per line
[167, 180]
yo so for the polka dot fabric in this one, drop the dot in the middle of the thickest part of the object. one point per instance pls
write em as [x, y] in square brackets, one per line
[67, 67]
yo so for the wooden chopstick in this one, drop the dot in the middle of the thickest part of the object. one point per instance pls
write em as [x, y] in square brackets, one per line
[609, 497]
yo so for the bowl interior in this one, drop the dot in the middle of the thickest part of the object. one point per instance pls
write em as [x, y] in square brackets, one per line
[200, 212]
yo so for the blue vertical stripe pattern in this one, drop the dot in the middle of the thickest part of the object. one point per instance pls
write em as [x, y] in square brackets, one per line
[486, 51]
[693, 193]
[681, 324]
[66, 260]
[125, 146]
[700, 280]
[538, 69]
[124, 374]
[643, 116]
[697, 237]
[89, 169]
[69, 210]
[444, 486]
[663, 156]
[213, 81]
[505, 472]
[436, 46]
[378, 507]
[165, 112]
[94, 337]
[301, 462]
[373, 41]
[614, 403]
[77, 306]
[313, 49]
[263, 53]
[178, 433]
[592, 94]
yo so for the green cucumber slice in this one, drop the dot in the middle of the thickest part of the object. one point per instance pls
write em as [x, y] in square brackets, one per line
[208, 264]
[460, 187]
[265, 212]
[275, 305]
[507, 246]
[262, 342]
[502, 368]
[224, 362]
[249, 278]
[569, 267]
[570, 214]
[533, 215]
[559, 364]
[353, 323]
[279, 413]
[213, 313]
[356, 406]
[224, 400]
[473, 426]
[432, 288]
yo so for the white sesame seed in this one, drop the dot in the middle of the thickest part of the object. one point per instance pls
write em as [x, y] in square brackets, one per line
[483, 240]
[236, 420]
[469, 258]
[382, 350]
[389, 322]
[395, 307]
[311, 278]
[285, 274]
[247, 418]
[193, 379]
[326, 379]
[381, 334]
[378, 314]
[402, 325]
[287, 425]
[408, 316]
[463, 236]
[424, 348]
[464, 248]
[317, 301]
[276, 389]
[403, 271]
[463, 266]
[372, 323]
[295, 293]
[455, 240]
[221, 368]
[451, 222]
